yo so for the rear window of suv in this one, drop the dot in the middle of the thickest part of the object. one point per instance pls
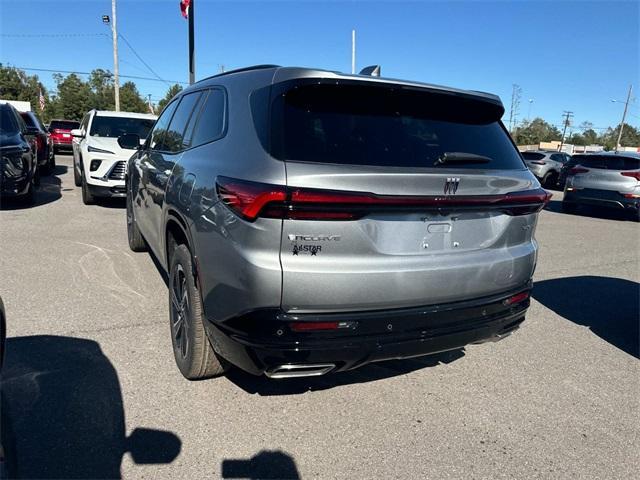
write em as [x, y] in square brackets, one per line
[358, 124]
[63, 125]
[532, 155]
[608, 162]
[113, 127]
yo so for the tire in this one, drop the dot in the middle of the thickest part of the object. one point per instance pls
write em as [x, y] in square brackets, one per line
[136, 240]
[29, 198]
[545, 180]
[77, 178]
[569, 207]
[193, 353]
[87, 198]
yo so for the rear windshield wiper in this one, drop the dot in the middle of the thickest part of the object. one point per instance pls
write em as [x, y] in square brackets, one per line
[462, 157]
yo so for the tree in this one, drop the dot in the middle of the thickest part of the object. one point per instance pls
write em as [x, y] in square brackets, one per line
[630, 137]
[74, 97]
[536, 131]
[130, 99]
[15, 84]
[172, 92]
[101, 83]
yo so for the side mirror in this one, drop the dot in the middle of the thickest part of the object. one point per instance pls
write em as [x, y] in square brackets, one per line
[77, 132]
[130, 141]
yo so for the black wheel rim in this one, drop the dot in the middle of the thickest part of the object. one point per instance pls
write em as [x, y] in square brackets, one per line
[180, 311]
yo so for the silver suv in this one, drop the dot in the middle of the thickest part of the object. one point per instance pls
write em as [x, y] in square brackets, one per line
[546, 166]
[312, 221]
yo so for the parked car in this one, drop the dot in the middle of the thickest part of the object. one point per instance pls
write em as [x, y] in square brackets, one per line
[311, 221]
[44, 144]
[98, 159]
[607, 179]
[60, 131]
[18, 164]
[546, 166]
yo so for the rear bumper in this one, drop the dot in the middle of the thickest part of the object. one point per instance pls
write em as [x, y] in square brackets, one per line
[261, 341]
[115, 191]
[601, 198]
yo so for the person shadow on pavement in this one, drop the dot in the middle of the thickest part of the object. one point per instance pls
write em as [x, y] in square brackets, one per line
[610, 307]
[63, 415]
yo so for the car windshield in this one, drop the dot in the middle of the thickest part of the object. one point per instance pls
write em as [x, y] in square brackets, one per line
[356, 124]
[113, 127]
[608, 162]
[63, 125]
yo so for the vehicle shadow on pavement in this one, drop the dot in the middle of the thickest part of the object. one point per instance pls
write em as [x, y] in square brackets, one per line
[265, 386]
[63, 414]
[610, 307]
[49, 191]
[267, 464]
[591, 212]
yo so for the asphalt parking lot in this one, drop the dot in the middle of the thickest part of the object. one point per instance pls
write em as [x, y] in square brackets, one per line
[91, 390]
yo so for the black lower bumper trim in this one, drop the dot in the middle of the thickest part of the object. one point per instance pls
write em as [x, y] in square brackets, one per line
[262, 340]
[118, 191]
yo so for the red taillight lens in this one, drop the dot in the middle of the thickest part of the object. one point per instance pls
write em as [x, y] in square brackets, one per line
[518, 298]
[251, 200]
[576, 170]
[248, 199]
[538, 162]
[635, 175]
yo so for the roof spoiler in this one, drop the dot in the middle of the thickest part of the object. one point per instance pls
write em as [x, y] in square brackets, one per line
[371, 70]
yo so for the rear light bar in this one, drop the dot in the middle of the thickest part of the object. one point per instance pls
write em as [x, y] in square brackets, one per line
[538, 162]
[635, 175]
[576, 170]
[251, 200]
[319, 326]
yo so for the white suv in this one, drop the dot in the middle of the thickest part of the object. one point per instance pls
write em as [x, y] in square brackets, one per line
[98, 160]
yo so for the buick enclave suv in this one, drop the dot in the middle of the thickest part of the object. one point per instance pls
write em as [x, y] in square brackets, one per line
[311, 221]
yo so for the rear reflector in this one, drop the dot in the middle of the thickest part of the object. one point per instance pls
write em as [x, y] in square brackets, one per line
[631, 195]
[318, 326]
[635, 175]
[520, 297]
[251, 200]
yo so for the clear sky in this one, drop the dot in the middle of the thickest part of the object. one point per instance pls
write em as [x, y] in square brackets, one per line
[564, 55]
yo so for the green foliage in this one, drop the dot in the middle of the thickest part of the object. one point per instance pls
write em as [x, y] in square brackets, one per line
[172, 92]
[74, 96]
[536, 131]
[630, 137]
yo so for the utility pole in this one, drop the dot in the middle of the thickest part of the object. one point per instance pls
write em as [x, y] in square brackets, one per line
[150, 104]
[192, 64]
[624, 116]
[515, 105]
[353, 51]
[116, 78]
[567, 117]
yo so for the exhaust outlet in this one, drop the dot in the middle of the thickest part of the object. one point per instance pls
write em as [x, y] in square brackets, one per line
[303, 370]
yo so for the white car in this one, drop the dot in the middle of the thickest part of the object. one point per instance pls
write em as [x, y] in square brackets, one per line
[98, 160]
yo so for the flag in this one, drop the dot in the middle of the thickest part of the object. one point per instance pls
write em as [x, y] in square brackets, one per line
[41, 100]
[184, 8]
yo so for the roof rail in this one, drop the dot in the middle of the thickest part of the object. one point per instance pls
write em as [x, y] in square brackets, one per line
[238, 70]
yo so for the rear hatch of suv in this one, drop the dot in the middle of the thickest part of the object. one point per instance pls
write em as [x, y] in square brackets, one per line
[398, 196]
[614, 173]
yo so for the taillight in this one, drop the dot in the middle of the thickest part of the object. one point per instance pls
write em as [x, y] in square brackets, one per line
[319, 326]
[538, 162]
[576, 170]
[247, 199]
[39, 142]
[635, 175]
[252, 200]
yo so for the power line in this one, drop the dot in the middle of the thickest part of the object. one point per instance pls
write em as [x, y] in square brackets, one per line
[89, 73]
[143, 62]
[51, 35]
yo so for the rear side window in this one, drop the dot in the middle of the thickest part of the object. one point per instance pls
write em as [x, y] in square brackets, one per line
[608, 162]
[532, 155]
[358, 124]
[210, 123]
[160, 128]
[28, 120]
[174, 138]
[7, 121]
